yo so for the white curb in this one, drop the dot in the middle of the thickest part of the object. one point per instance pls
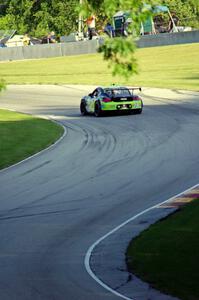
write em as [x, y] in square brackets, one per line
[92, 247]
[38, 153]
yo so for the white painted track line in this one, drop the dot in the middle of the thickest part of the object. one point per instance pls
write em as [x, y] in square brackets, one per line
[92, 247]
[43, 150]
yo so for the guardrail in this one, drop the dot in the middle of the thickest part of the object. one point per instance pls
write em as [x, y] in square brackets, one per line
[48, 50]
[166, 39]
[86, 47]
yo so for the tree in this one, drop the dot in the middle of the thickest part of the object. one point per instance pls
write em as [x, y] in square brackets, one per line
[65, 16]
[3, 7]
[2, 85]
[37, 17]
[18, 14]
[186, 10]
[120, 52]
[59, 16]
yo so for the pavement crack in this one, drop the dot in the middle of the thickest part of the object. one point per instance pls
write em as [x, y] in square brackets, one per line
[129, 278]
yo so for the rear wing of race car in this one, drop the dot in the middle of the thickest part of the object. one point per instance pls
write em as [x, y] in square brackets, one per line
[124, 88]
[135, 88]
[130, 89]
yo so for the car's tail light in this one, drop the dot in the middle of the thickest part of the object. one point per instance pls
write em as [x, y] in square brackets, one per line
[135, 97]
[106, 99]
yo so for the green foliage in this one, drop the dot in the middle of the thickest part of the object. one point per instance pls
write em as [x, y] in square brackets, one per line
[41, 16]
[186, 10]
[20, 14]
[65, 16]
[43, 19]
[119, 52]
[2, 85]
[38, 17]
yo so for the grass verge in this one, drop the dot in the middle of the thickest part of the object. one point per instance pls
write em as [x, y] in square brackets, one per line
[23, 135]
[166, 255]
[175, 67]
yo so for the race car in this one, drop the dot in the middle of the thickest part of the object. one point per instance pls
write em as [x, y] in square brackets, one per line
[111, 99]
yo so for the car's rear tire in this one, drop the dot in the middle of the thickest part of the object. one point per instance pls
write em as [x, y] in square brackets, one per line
[83, 109]
[98, 110]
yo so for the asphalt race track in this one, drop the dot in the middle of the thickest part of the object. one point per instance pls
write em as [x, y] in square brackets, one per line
[105, 170]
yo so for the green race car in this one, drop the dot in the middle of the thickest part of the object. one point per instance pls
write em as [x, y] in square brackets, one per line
[111, 99]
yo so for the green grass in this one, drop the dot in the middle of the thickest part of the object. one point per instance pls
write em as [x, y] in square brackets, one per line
[23, 135]
[167, 256]
[175, 67]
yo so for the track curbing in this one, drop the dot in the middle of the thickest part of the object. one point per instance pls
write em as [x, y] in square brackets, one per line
[43, 150]
[174, 202]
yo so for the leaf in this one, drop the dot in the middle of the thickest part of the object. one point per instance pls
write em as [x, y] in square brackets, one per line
[2, 85]
[120, 53]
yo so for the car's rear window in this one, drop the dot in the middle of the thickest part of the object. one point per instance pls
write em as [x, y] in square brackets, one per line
[117, 92]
